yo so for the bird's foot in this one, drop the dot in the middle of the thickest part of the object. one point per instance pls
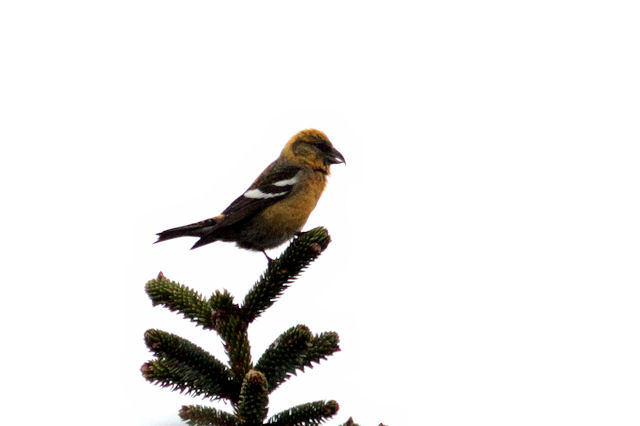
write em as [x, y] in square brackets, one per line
[269, 260]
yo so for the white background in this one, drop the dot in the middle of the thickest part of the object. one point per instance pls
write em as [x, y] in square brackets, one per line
[484, 265]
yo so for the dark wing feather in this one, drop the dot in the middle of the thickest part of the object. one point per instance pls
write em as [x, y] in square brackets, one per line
[274, 184]
[246, 205]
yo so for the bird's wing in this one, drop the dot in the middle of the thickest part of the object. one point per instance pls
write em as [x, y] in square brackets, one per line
[274, 184]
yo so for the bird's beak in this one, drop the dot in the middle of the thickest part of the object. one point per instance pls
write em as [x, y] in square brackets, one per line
[334, 157]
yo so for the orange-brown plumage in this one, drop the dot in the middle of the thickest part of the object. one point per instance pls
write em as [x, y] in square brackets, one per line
[278, 203]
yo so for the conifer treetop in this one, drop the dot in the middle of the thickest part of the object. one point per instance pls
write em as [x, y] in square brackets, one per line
[186, 367]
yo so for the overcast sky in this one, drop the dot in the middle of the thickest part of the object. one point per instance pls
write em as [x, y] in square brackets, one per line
[484, 263]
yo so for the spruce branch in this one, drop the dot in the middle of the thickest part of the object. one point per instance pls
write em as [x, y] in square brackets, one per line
[284, 356]
[218, 313]
[178, 376]
[321, 346]
[294, 350]
[222, 301]
[175, 349]
[252, 408]
[198, 415]
[177, 297]
[311, 413]
[303, 250]
[233, 330]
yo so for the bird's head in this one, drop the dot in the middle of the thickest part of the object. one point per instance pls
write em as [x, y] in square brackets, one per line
[312, 148]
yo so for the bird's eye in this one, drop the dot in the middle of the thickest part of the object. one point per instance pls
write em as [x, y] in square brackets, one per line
[324, 147]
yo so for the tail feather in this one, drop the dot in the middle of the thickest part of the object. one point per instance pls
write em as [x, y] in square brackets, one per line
[205, 239]
[198, 229]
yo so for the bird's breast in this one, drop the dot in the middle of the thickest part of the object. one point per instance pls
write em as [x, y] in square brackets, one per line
[292, 213]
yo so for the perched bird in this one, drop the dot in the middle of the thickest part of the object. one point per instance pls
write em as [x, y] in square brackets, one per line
[277, 204]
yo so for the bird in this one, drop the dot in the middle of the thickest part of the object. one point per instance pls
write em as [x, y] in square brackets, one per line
[278, 203]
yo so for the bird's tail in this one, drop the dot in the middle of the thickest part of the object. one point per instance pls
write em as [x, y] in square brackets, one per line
[202, 229]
